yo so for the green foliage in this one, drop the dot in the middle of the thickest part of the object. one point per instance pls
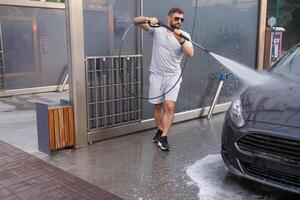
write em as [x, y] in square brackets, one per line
[289, 18]
[288, 11]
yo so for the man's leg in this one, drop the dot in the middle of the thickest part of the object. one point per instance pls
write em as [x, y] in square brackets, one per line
[158, 115]
[155, 90]
[167, 123]
[168, 116]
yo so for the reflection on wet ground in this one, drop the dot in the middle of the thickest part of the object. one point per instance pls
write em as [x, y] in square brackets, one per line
[132, 167]
[216, 183]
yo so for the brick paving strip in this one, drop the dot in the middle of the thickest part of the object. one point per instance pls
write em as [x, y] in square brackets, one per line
[23, 176]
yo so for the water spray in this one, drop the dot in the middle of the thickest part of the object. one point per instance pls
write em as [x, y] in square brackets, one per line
[240, 70]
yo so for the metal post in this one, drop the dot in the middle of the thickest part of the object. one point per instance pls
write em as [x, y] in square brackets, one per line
[64, 83]
[211, 109]
[261, 35]
[75, 44]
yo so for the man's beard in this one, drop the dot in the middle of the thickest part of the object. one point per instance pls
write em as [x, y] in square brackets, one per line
[175, 26]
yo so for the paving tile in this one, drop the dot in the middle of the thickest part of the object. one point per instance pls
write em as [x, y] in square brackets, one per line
[67, 190]
[6, 175]
[11, 181]
[8, 159]
[12, 197]
[42, 197]
[89, 194]
[29, 176]
[37, 164]
[49, 186]
[75, 196]
[25, 177]
[48, 170]
[29, 193]
[12, 165]
[80, 185]
[61, 179]
[57, 194]
[19, 187]
[84, 198]
[39, 180]
[69, 177]
[5, 193]
[21, 170]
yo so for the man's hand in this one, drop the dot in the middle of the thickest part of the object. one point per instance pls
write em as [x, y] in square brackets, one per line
[177, 34]
[189, 50]
[144, 22]
[153, 21]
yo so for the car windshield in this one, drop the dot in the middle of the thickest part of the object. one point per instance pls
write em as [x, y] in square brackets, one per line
[289, 66]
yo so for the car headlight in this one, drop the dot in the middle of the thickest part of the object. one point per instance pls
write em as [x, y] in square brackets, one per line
[236, 113]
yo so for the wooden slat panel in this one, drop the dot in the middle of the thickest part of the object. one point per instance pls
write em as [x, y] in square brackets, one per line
[71, 120]
[56, 128]
[51, 130]
[67, 129]
[61, 128]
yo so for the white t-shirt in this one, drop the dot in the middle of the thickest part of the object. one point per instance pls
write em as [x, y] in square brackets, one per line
[166, 52]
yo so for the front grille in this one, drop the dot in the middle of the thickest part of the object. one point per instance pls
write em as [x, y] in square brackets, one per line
[287, 149]
[271, 175]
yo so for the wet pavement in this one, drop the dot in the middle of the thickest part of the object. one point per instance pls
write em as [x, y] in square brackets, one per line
[132, 167]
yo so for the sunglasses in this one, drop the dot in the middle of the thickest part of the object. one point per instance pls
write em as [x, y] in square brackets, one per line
[179, 18]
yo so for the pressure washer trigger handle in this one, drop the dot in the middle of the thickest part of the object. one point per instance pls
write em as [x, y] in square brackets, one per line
[171, 29]
[184, 37]
[166, 26]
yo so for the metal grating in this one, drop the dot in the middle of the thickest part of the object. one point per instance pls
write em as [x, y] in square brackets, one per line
[2, 69]
[287, 149]
[109, 104]
[271, 175]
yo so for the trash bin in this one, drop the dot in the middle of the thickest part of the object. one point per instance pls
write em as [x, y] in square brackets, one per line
[55, 127]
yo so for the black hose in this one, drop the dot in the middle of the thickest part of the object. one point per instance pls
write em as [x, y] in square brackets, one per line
[183, 68]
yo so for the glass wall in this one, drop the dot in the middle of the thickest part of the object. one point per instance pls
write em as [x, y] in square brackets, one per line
[34, 46]
[105, 21]
[226, 27]
[34, 42]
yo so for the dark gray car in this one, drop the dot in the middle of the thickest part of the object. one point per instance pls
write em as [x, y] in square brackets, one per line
[261, 132]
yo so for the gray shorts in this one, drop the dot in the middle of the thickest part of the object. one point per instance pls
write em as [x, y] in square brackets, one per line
[160, 84]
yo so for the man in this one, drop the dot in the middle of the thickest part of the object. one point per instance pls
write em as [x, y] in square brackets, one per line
[167, 53]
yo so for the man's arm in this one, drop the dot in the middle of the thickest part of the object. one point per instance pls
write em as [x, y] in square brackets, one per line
[186, 47]
[143, 22]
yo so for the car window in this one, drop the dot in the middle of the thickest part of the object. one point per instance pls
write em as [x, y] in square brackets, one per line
[290, 65]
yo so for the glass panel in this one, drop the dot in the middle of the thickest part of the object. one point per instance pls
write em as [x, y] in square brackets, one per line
[34, 42]
[217, 28]
[105, 22]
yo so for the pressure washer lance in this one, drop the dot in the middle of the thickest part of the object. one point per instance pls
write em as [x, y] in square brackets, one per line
[154, 26]
[159, 24]
[184, 37]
